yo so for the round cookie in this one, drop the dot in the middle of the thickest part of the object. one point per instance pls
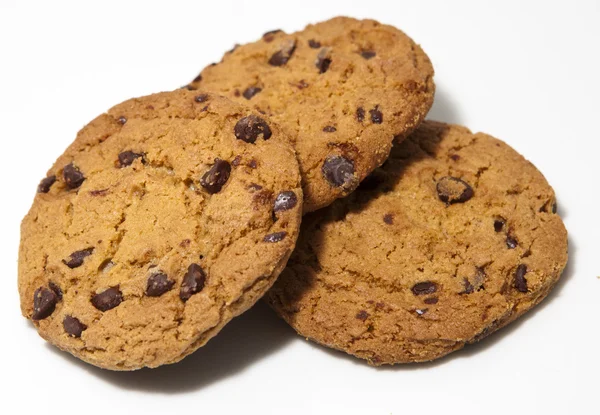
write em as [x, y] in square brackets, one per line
[453, 238]
[341, 89]
[168, 216]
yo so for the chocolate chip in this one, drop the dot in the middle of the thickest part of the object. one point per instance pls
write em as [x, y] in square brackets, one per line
[107, 299]
[453, 190]
[45, 184]
[216, 177]
[158, 284]
[421, 312]
[499, 224]
[201, 98]
[431, 300]
[554, 207]
[520, 281]
[126, 158]
[76, 258]
[314, 44]
[368, 54]
[360, 114]
[338, 170]
[388, 218]
[236, 161]
[254, 186]
[249, 128]
[511, 242]
[468, 286]
[198, 78]
[54, 287]
[323, 60]
[269, 36]
[193, 282]
[252, 164]
[329, 129]
[455, 157]
[188, 87]
[376, 115]
[285, 201]
[424, 288]
[122, 120]
[73, 176]
[251, 91]
[275, 237]
[282, 56]
[362, 315]
[73, 327]
[44, 303]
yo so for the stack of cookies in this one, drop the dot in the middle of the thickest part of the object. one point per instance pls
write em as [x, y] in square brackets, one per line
[298, 169]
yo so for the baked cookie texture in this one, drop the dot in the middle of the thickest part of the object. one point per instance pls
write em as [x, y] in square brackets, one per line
[454, 237]
[165, 218]
[341, 89]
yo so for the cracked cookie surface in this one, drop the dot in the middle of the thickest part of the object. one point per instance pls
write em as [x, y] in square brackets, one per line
[167, 216]
[341, 89]
[454, 237]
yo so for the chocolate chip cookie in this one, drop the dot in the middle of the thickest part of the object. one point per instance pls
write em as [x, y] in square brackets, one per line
[167, 216]
[341, 89]
[453, 238]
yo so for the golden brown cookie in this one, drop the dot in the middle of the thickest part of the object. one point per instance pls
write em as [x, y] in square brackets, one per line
[453, 238]
[341, 89]
[167, 217]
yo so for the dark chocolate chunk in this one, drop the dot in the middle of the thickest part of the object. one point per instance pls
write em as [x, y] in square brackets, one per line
[198, 78]
[216, 177]
[236, 161]
[285, 201]
[511, 241]
[44, 303]
[275, 237]
[314, 44]
[282, 56]
[107, 299]
[520, 281]
[360, 114]
[193, 282]
[376, 115]
[76, 258]
[455, 157]
[73, 176]
[362, 315]
[453, 190]
[499, 224]
[329, 129]
[158, 284]
[126, 158]
[73, 327]
[251, 91]
[201, 98]
[468, 286]
[388, 218]
[122, 120]
[249, 128]
[424, 288]
[368, 54]
[45, 184]
[323, 60]
[431, 300]
[269, 36]
[338, 170]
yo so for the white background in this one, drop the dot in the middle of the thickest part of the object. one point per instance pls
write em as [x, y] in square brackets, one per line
[524, 71]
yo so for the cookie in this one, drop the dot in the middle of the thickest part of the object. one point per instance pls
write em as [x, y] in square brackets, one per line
[453, 238]
[168, 216]
[341, 89]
